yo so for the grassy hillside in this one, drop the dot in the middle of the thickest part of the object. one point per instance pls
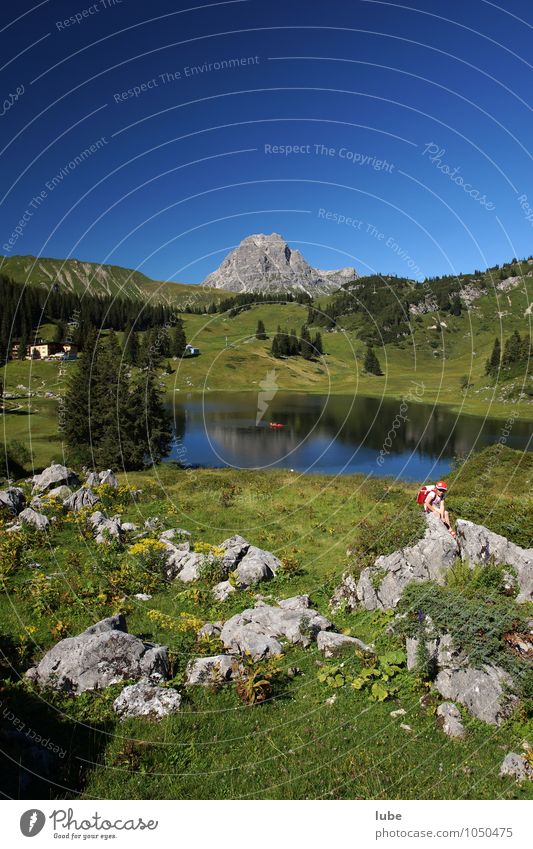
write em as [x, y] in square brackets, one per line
[73, 275]
[308, 739]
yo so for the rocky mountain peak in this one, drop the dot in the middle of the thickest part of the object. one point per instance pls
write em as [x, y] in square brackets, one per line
[266, 263]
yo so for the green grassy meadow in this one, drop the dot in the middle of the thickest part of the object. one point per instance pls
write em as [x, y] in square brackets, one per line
[307, 739]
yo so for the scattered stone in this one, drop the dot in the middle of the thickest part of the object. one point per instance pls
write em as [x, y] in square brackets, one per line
[127, 527]
[39, 521]
[333, 644]
[152, 524]
[517, 767]
[210, 629]
[146, 699]
[82, 498]
[449, 716]
[218, 669]
[398, 712]
[332, 699]
[12, 500]
[53, 476]
[479, 545]
[257, 630]
[223, 590]
[293, 671]
[102, 655]
[405, 727]
[142, 596]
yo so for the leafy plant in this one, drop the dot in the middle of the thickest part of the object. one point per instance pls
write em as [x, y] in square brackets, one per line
[256, 678]
[375, 674]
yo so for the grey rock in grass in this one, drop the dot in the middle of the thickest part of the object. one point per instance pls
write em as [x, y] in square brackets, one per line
[36, 520]
[234, 548]
[479, 545]
[210, 629]
[218, 669]
[334, 644]
[449, 716]
[102, 655]
[223, 590]
[172, 533]
[82, 498]
[60, 492]
[381, 585]
[97, 478]
[12, 500]
[53, 476]
[105, 528]
[147, 700]
[295, 602]
[515, 766]
[256, 565]
[259, 629]
[129, 526]
[486, 692]
[345, 594]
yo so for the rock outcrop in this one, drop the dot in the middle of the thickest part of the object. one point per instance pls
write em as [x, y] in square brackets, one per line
[36, 520]
[479, 545]
[147, 700]
[106, 529]
[486, 691]
[250, 564]
[98, 478]
[12, 500]
[219, 669]
[53, 476]
[102, 655]
[258, 630]
[82, 498]
[264, 263]
[332, 644]
[381, 585]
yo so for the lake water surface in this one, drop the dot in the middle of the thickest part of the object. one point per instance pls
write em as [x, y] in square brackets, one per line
[333, 434]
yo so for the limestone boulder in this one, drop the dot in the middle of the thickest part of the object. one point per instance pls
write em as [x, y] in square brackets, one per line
[479, 545]
[102, 655]
[147, 700]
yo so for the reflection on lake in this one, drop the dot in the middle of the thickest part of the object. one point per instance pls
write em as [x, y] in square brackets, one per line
[335, 434]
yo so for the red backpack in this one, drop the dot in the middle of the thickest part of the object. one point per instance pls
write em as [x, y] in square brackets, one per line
[423, 493]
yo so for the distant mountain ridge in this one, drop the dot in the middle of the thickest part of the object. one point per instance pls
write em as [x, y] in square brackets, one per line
[265, 263]
[100, 279]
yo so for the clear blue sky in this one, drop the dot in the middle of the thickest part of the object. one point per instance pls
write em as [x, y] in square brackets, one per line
[391, 106]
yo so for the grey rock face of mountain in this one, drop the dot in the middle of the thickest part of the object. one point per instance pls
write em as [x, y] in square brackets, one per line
[264, 263]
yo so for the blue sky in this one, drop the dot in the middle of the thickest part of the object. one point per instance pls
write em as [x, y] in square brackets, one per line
[393, 137]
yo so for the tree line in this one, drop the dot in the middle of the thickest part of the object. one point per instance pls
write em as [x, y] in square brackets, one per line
[517, 350]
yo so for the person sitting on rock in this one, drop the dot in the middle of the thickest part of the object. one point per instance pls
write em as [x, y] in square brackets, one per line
[434, 503]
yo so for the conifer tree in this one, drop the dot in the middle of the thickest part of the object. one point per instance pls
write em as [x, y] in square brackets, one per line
[492, 365]
[260, 333]
[371, 363]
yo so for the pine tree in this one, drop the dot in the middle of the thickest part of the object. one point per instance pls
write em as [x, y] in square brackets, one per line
[178, 341]
[275, 348]
[151, 434]
[317, 344]
[110, 411]
[260, 333]
[513, 349]
[306, 348]
[74, 414]
[371, 363]
[130, 351]
[492, 365]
